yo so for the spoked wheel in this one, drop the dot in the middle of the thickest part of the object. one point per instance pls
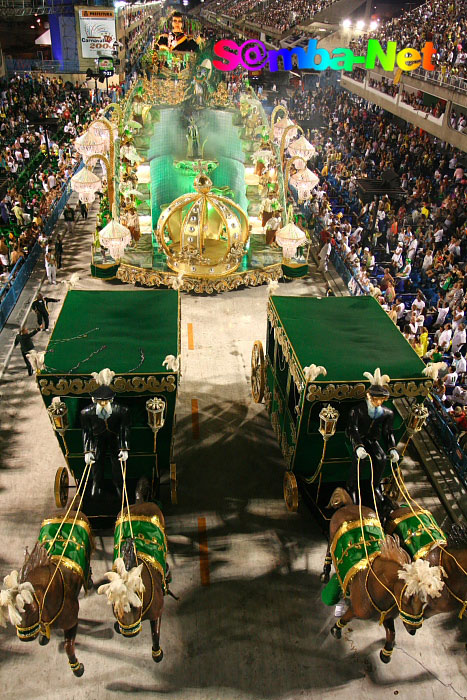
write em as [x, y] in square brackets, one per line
[61, 486]
[173, 483]
[258, 371]
[290, 492]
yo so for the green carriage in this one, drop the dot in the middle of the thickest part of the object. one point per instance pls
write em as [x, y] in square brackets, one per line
[131, 333]
[347, 336]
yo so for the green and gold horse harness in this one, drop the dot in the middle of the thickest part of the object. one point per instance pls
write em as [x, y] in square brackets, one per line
[354, 546]
[418, 532]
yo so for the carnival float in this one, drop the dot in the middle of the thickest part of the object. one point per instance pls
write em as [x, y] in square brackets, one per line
[195, 184]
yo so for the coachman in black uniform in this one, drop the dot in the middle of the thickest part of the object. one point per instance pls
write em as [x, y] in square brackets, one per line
[370, 430]
[106, 430]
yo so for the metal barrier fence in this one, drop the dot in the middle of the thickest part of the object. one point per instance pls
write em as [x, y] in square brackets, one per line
[19, 279]
[447, 437]
[21, 272]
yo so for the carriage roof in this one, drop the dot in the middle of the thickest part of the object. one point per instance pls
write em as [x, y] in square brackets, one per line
[346, 335]
[123, 327]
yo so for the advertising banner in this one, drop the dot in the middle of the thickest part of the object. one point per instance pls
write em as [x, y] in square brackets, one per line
[97, 31]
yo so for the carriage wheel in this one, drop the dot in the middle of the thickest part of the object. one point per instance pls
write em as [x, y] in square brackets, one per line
[61, 486]
[258, 371]
[290, 492]
[173, 483]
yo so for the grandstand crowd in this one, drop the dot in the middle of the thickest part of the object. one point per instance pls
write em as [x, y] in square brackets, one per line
[443, 22]
[409, 252]
[35, 166]
[277, 14]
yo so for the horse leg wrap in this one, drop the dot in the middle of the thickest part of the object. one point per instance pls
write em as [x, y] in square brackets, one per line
[74, 665]
[340, 624]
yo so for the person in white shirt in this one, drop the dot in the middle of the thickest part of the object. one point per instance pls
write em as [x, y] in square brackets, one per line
[459, 396]
[444, 339]
[397, 257]
[438, 237]
[443, 310]
[427, 260]
[412, 250]
[51, 181]
[450, 378]
[460, 363]
[459, 338]
[418, 303]
[399, 306]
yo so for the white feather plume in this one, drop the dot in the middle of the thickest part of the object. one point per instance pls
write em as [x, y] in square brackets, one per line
[433, 369]
[172, 363]
[314, 371]
[36, 359]
[72, 282]
[377, 378]
[104, 377]
[124, 587]
[13, 597]
[272, 286]
[422, 579]
[177, 282]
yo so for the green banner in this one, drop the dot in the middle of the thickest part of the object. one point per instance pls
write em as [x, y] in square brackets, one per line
[54, 535]
[354, 546]
[418, 532]
[149, 537]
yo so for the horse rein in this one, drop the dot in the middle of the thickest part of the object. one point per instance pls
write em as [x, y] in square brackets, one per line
[451, 592]
[407, 618]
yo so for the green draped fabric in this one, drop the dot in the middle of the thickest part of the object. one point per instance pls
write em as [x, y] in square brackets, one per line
[149, 537]
[418, 533]
[348, 549]
[295, 271]
[77, 551]
[332, 592]
[347, 335]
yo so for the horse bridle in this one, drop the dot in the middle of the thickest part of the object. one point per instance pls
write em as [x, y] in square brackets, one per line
[415, 621]
[31, 632]
[135, 628]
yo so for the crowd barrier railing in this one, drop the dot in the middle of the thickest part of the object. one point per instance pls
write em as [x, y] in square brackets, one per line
[447, 436]
[21, 272]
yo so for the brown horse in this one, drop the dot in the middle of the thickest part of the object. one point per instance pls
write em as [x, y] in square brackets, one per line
[53, 596]
[452, 558]
[378, 591]
[137, 588]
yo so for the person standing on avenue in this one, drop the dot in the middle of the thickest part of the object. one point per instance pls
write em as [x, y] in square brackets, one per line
[51, 267]
[83, 207]
[69, 216]
[24, 340]
[40, 307]
[58, 251]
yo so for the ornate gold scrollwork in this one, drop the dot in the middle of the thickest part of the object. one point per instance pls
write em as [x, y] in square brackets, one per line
[268, 398]
[121, 385]
[281, 337]
[287, 450]
[340, 392]
[276, 426]
[151, 278]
